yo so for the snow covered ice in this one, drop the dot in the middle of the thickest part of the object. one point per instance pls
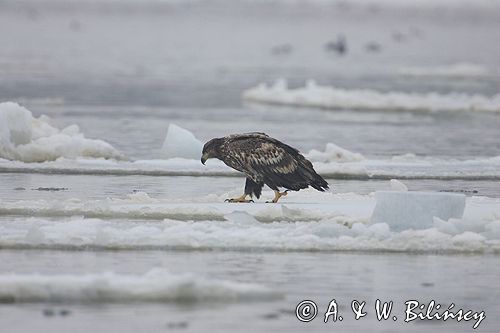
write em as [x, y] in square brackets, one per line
[406, 221]
[314, 95]
[181, 152]
[25, 139]
[28, 139]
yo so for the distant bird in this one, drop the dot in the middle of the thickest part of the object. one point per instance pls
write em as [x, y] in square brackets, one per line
[339, 46]
[282, 49]
[373, 47]
[398, 36]
[264, 160]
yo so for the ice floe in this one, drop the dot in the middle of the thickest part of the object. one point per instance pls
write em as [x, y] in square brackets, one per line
[405, 210]
[328, 97]
[302, 207]
[156, 285]
[29, 139]
[308, 221]
[25, 139]
[180, 142]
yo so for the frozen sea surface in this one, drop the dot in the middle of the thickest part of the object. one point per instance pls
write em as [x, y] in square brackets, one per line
[103, 245]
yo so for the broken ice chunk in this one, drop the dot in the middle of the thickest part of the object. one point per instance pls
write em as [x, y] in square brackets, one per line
[416, 210]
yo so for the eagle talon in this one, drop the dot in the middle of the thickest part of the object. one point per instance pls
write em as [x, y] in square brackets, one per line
[238, 201]
[241, 199]
[277, 196]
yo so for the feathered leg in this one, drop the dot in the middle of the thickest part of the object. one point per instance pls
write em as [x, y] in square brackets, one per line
[277, 196]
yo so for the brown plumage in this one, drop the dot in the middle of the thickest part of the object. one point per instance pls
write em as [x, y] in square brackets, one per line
[264, 160]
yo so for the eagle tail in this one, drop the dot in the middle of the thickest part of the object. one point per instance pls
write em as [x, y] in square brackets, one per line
[319, 183]
[312, 178]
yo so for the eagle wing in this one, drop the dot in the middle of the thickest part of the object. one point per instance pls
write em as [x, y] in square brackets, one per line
[264, 159]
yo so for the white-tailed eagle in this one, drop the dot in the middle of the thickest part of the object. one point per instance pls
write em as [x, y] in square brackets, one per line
[264, 160]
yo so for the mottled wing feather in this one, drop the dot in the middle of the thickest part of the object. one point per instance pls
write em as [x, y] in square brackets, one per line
[282, 167]
[259, 157]
[239, 153]
[273, 159]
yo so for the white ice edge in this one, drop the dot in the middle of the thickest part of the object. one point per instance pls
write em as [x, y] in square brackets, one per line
[329, 97]
[156, 285]
[398, 167]
[307, 221]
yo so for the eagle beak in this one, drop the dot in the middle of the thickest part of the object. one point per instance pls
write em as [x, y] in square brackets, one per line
[204, 158]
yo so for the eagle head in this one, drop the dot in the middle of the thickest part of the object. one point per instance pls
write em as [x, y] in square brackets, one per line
[211, 149]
